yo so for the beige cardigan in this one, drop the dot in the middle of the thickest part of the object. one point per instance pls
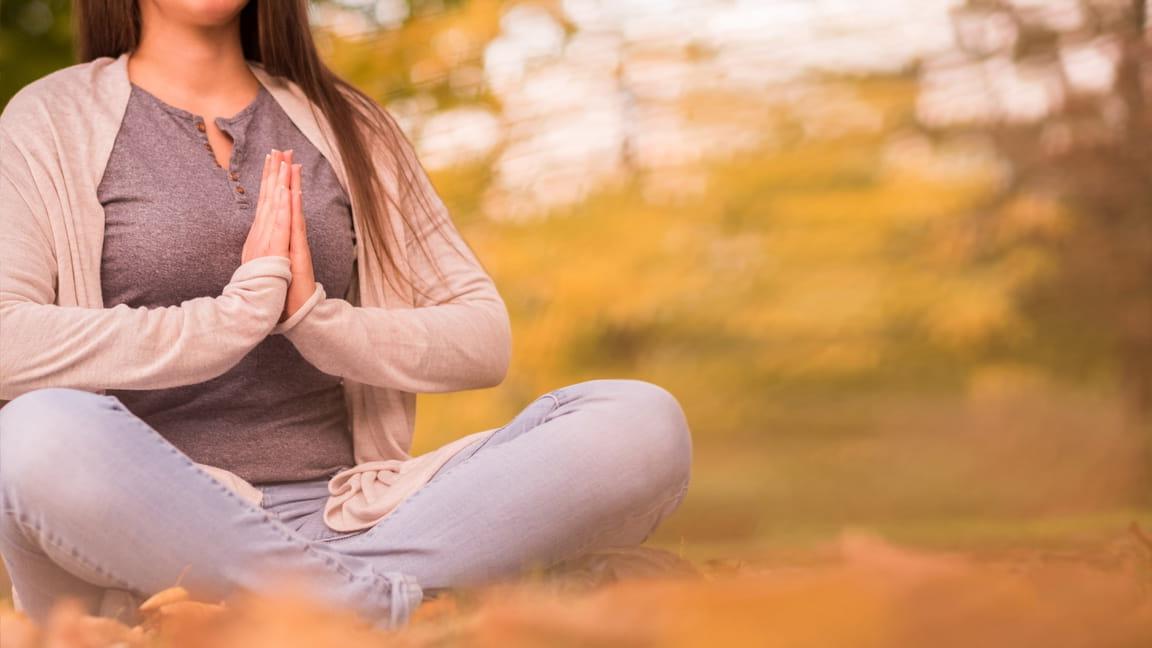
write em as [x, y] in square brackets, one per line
[56, 135]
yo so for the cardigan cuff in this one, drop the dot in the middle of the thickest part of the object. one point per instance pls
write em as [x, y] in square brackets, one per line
[302, 312]
[265, 266]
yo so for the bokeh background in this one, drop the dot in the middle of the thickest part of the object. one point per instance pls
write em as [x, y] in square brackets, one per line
[893, 256]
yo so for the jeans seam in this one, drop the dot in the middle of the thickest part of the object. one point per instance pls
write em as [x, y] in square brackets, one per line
[376, 578]
[678, 498]
[42, 535]
[646, 513]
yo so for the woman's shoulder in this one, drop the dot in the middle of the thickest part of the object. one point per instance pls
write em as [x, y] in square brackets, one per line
[70, 90]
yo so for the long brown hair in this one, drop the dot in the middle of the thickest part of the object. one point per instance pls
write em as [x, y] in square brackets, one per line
[278, 36]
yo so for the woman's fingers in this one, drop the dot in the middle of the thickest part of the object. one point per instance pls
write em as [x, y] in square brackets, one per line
[264, 178]
[269, 216]
[273, 222]
[288, 183]
[282, 229]
[301, 255]
[250, 240]
[305, 254]
[268, 240]
[280, 180]
[285, 174]
[260, 227]
[280, 226]
[262, 201]
[299, 227]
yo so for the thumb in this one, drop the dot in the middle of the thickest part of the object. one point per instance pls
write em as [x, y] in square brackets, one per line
[299, 243]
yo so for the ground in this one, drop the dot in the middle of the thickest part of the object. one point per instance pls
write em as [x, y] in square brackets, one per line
[860, 591]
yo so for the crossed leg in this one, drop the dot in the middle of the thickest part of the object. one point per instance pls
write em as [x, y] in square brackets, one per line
[91, 498]
[594, 464]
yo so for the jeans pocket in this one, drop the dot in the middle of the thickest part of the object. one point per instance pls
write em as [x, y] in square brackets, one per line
[313, 527]
[340, 535]
[323, 533]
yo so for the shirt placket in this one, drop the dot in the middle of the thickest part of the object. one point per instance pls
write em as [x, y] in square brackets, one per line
[232, 173]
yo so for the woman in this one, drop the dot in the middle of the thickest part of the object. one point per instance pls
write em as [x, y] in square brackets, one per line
[174, 417]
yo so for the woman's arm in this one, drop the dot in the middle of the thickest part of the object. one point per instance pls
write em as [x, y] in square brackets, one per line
[458, 337]
[46, 345]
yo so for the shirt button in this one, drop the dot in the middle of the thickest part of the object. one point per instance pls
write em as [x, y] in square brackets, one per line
[200, 127]
[233, 175]
[240, 190]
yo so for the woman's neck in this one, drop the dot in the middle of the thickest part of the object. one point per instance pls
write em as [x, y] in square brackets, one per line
[198, 68]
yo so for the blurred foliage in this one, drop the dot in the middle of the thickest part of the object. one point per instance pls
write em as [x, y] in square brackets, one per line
[1080, 184]
[857, 592]
[844, 352]
[35, 39]
[436, 54]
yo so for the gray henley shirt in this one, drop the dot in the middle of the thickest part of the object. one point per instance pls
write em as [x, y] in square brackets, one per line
[175, 224]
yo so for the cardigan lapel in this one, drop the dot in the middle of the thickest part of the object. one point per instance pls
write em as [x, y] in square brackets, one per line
[111, 90]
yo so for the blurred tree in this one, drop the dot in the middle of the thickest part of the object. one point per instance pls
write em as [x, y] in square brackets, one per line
[1061, 92]
[426, 52]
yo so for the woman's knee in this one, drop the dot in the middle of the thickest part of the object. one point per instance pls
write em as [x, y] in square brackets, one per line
[658, 437]
[47, 435]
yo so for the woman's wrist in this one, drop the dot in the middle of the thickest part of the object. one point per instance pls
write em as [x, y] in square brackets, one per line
[302, 312]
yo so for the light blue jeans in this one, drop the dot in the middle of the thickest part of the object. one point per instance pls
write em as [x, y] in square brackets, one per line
[94, 502]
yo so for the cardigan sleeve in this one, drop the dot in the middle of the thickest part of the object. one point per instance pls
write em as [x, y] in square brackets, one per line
[457, 336]
[43, 344]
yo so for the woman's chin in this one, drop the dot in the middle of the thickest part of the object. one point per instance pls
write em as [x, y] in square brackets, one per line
[201, 13]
